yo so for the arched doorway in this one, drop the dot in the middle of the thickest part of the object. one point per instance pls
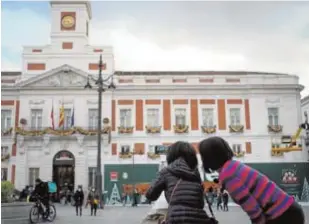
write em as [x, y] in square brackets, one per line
[64, 170]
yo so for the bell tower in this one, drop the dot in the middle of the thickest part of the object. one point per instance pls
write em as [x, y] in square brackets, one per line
[70, 23]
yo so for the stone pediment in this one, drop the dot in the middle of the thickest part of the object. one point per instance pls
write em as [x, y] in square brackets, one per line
[63, 76]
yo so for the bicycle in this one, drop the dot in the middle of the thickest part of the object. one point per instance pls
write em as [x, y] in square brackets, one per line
[38, 212]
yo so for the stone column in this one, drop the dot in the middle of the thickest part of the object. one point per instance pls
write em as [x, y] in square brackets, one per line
[21, 171]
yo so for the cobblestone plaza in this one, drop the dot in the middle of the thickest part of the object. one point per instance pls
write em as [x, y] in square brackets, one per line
[129, 215]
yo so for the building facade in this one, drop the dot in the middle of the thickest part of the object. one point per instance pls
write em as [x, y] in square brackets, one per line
[305, 107]
[305, 114]
[147, 112]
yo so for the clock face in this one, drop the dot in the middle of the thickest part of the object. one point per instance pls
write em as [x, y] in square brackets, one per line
[68, 21]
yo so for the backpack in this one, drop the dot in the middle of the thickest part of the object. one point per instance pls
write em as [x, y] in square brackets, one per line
[52, 187]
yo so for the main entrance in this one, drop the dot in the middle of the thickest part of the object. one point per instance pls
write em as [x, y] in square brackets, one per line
[64, 170]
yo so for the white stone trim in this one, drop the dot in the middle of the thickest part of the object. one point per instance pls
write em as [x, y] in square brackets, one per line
[280, 122]
[242, 113]
[159, 107]
[208, 106]
[50, 73]
[133, 111]
[13, 115]
[181, 106]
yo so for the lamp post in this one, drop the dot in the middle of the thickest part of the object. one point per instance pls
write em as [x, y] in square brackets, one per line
[133, 180]
[103, 85]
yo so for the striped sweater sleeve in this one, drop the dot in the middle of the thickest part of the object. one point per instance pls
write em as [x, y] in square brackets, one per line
[241, 195]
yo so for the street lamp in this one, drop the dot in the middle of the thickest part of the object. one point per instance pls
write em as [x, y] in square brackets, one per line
[103, 85]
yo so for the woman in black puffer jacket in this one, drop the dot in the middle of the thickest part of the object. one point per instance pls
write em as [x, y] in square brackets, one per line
[186, 206]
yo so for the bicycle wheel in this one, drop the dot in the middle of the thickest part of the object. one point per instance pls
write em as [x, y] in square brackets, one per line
[34, 216]
[52, 213]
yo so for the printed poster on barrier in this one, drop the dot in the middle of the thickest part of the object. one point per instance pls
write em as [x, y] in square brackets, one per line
[114, 176]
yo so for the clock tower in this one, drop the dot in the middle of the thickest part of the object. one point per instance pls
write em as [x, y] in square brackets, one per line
[70, 23]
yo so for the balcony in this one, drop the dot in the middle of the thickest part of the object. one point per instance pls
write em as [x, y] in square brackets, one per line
[7, 132]
[125, 130]
[275, 128]
[5, 157]
[209, 129]
[152, 155]
[181, 129]
[91, 130]
[239, 154]
[276, 153]
[236, 128]
[69, 131]
[125, 155]
[153, 130]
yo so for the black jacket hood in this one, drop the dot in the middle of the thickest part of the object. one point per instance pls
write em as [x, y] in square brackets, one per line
[180, 169]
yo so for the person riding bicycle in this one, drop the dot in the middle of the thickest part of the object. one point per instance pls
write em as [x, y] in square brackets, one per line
[41, 190]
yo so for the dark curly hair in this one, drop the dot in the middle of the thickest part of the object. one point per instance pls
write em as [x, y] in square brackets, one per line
[182, 150]
[215, 151]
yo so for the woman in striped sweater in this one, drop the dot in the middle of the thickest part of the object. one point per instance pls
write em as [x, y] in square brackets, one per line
[259, 197]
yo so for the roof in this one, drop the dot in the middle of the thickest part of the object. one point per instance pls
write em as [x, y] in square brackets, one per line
[195, 73]
[305, 100]
[9, 73]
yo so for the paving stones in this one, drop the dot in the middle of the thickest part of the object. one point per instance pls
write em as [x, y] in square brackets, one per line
[129, 215]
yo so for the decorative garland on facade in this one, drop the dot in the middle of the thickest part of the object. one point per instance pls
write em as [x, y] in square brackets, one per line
[180, 129]
[82, 131]
[4, 158]
[125, 130]
[125, 155]
[276, 153]
[153, 130]
[209, 130]
[240, 154]
[152, 155]
[275, 128]
[236, 128]
[7, 132]
[68, 132]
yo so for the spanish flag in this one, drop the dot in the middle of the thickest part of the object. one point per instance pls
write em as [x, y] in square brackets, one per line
[61, 117]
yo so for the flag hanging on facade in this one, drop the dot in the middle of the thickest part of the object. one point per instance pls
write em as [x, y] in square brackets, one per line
[72, 118]
[52, 117]
[61, 117]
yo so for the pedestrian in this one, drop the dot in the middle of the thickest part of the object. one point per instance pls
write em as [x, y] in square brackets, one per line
[79, 199]
[219, 200]
[93, 200]
[68, 197]
[225, 198]
[259, 197]
[89, 192]
[135, 198]
[24, 194]
[182, 185]
[210, 196]
[124, 198]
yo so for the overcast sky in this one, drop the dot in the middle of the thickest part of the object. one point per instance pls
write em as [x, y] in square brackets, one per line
[259, 36]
